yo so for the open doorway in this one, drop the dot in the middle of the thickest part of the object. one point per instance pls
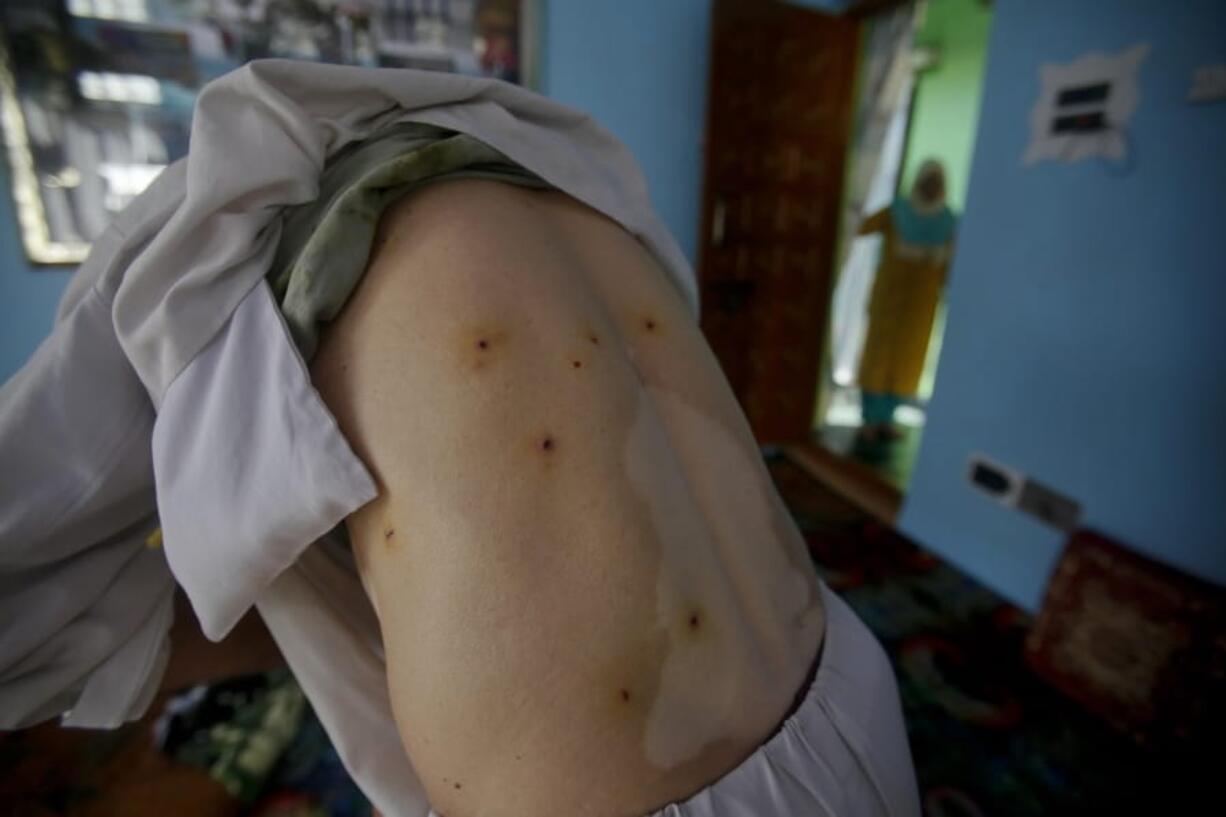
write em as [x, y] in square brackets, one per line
[816, 121]
[917, 108]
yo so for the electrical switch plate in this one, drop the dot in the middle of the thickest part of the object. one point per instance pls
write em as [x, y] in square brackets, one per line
[1013, 489]
[997, 481]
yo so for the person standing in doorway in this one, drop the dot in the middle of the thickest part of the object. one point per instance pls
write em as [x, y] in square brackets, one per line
[919, 234]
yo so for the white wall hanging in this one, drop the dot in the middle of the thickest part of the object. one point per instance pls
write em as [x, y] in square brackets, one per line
[1084, 107]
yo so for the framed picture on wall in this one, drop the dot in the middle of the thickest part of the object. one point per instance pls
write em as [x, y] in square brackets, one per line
[96, 96]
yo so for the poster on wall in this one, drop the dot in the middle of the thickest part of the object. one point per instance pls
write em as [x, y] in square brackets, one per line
[96, 96]
[1084, 107]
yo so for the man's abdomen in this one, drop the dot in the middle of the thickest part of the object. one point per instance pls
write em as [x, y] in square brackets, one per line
[592, 600]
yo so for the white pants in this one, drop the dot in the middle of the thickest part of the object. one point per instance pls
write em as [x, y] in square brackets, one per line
[842, 753]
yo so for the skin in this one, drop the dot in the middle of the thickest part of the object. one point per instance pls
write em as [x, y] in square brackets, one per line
[592, 599]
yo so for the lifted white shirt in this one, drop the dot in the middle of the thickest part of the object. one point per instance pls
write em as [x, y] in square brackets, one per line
[170, 390]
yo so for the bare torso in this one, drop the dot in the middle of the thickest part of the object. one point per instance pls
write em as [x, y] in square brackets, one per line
[592, 600]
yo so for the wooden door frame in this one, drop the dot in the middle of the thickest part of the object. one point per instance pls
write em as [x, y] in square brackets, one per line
[852, 479]
[774, 373]
[849, 478]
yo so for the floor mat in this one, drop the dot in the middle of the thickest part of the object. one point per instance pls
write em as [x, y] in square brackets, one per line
[988, 737]
[247, 746]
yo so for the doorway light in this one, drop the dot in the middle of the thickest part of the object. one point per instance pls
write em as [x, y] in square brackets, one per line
[908, 415]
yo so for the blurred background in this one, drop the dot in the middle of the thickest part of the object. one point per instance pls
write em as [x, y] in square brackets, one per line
[1027, 510]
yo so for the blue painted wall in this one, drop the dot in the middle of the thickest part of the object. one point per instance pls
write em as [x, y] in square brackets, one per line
[640, 68]
[1086, 342]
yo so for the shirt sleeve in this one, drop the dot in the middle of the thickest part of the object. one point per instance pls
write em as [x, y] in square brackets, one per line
[85, 604]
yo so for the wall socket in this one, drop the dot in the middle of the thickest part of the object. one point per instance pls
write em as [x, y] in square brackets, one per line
[1014, 489]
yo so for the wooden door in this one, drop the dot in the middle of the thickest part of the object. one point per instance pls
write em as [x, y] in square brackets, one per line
[777, 129]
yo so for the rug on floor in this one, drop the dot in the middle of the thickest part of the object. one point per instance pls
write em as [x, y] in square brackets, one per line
[988, 737]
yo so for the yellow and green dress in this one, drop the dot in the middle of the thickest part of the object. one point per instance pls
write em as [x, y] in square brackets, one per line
[914, 261]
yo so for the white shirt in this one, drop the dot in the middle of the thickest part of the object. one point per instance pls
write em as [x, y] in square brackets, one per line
[170, 389]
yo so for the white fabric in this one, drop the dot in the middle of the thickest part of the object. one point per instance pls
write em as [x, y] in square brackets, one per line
[326, 628]
[170, 311]
[84, 604]
[251, 466]
[260, 137]
[843, 753]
